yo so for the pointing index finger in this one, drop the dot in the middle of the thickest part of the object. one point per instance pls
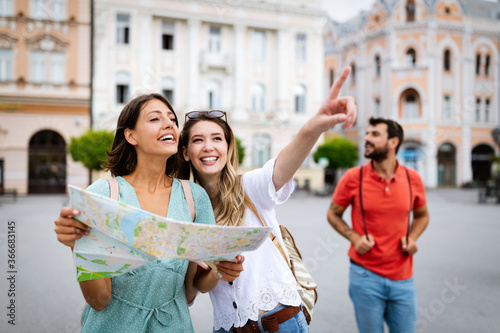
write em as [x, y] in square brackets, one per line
[339, 82]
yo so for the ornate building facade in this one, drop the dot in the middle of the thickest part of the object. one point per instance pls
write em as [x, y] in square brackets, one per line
[434, 67]
[261, 61]
[44, 92]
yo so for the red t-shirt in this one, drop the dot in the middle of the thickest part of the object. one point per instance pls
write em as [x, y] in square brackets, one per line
[386, 207]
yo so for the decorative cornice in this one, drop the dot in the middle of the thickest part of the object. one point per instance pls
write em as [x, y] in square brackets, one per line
[6, 41]
[277, 7]
[46, 43]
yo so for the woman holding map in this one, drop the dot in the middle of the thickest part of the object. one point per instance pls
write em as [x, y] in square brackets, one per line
[152, 297]
[266, 286]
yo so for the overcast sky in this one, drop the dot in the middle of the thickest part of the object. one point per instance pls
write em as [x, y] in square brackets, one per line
[342, 10]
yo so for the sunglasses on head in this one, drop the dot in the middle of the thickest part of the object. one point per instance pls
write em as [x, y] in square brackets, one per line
[210, 114]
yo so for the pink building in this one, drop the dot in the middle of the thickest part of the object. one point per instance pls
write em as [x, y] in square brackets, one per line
[44, 92]
[433, 66]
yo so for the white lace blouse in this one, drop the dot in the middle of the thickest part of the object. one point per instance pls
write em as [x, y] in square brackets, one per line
[266, 279]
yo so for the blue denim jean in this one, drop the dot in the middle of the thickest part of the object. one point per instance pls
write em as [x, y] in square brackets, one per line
[296, 324]
[376, 299]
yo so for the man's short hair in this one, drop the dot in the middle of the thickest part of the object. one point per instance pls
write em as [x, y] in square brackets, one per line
[393, 129]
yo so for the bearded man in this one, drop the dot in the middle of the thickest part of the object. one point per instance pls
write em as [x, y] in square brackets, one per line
[383, 194]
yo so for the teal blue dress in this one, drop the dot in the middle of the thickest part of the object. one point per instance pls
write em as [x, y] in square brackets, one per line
[150, 298]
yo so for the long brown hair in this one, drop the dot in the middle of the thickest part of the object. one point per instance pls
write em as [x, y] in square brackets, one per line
[122, 159]
[230, 208]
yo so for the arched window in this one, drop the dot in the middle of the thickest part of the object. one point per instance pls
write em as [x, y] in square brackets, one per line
[299, 92]
[261, 151]
[353, 73]
[410, 104]
[411, 58]
[410, 10]
[447, 61]
[378, 67]
[487, 110]
[122, 87]
[332, 76]
[478, 64]
[47, 163]
[487, 65]
[214, 94]
[478, 109]
[167, 89]
[258, 97]
[446, 164]
[447, 108]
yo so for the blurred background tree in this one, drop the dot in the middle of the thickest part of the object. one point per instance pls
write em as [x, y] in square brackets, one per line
[241, 151]
[341, 153]
[91, 148]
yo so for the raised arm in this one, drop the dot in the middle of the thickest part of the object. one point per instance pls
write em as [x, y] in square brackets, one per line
[334, 110]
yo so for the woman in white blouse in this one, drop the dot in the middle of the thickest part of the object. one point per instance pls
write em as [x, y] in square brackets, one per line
[266, 286]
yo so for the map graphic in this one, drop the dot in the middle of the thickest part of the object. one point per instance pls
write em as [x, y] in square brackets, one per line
[124, 237]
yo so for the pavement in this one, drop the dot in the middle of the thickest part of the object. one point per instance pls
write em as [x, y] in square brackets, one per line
[455, 270]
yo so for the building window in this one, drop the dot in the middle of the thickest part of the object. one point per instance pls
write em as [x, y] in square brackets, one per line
[259, 44]
[167, 89]
[411, 58]
[214, 39]
[478, 64]
[410, 106]
[376, 107]
[300, 98]
[58, 10]
[487, 65]
[487, 110]
[45, 9]
[5, 65]
[214, 94]
[258, 97]
[353, 73]
[332, 77]
[447, 61]
[410, 11]
[301, 47]
[122, 28]
[122, 87]
[378, 67]
[37, 68]
[39, 9]
[478, 109]
[6, 7]
[167, 35]
[447, 107]
[57, 67]
[261, 152]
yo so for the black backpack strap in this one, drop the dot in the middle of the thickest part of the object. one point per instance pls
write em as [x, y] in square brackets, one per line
[361, 199]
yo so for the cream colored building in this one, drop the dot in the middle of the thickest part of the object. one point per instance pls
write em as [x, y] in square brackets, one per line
[262, 61]
[44, 92]
[434, 67]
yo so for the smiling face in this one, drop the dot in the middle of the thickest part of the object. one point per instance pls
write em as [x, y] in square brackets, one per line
[207, 149]
[377, 143]
[155, 132]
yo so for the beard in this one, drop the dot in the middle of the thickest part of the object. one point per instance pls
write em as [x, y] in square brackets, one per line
[377, 154]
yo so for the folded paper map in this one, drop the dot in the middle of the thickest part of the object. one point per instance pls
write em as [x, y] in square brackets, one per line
[124, 237]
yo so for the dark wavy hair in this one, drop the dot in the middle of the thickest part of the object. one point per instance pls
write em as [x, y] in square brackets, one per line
[122, 159]
[393, 129]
